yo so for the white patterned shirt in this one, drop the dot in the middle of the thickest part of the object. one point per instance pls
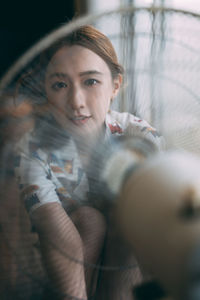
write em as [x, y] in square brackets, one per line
[58, 176]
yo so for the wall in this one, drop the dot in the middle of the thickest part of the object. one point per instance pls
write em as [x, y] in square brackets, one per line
[24, 23]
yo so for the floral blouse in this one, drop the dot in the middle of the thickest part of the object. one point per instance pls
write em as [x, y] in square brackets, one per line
[58, 176]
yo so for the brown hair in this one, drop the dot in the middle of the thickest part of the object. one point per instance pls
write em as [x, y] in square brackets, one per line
[89, 37]
[86, 36]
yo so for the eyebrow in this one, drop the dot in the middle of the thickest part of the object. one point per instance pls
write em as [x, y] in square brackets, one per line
[64, 75]
[90, 72]
[57, 74]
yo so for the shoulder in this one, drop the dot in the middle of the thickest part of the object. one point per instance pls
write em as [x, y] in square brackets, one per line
[124, 123]
[125, 119]
[28, 147]
[30, 160]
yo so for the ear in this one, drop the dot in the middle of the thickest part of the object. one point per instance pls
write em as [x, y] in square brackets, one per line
[116, 85]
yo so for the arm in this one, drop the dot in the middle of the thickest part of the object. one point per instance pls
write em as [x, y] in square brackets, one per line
[60, 241]
[58, 236]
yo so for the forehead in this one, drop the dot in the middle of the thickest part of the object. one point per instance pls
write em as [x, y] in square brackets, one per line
[77, 58]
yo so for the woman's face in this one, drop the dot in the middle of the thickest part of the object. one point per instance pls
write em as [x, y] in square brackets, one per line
[79, 88]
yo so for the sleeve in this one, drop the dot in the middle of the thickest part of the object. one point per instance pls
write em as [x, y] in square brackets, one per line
[130, 125]
[139, 127]
[35, 182]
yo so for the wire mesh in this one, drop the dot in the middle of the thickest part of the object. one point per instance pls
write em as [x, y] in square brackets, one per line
[159, 49]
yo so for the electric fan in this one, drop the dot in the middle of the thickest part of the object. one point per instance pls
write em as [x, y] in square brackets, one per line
[159, 49]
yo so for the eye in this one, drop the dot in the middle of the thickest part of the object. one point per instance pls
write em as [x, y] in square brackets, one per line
[59, 85]
[91, 81]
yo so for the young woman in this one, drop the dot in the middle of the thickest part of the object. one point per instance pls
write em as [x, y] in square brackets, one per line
[71, 89]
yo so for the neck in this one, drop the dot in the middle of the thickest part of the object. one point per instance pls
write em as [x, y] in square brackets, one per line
[85, 145]
[87, 142]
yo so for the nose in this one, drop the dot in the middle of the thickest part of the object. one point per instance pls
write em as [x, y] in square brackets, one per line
[76, 98]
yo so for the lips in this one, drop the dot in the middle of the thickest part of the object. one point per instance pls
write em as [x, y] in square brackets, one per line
[80, 120]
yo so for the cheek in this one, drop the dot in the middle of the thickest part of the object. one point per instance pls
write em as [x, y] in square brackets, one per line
[105, 103]
[100, 103]
[57, 100]
[100, 111]
[51, 94]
